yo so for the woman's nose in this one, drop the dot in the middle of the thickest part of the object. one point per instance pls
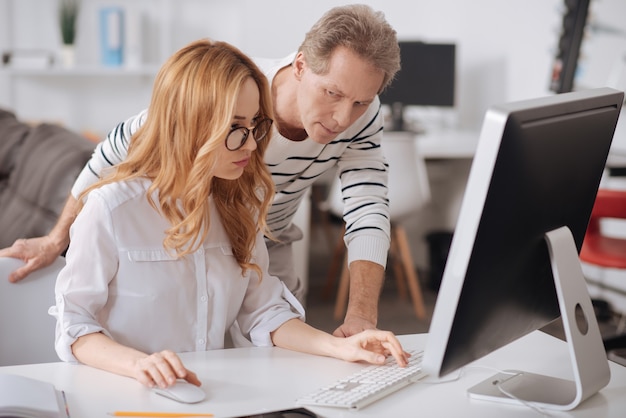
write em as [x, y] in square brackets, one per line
[250, 143]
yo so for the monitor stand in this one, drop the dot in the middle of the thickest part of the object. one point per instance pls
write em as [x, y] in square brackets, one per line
[397, 117]
[588, 357]
[399, 123]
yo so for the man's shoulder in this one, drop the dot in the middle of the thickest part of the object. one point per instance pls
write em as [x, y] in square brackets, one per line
[270, 66]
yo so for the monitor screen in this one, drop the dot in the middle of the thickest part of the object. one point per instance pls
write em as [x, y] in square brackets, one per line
[537, 168]
[426, 78]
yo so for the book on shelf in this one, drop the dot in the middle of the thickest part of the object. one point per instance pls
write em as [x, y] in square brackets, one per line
[112, 35]
[22, 396]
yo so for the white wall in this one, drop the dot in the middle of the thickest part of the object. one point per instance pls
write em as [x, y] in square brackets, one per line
[505, 48]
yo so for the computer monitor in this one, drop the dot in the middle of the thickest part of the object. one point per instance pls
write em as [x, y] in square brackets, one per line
[513, 264]
[426, 78]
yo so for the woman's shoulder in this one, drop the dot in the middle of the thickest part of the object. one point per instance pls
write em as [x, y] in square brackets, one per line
[121, 192]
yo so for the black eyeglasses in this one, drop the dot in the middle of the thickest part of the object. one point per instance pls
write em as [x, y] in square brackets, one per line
[237, 137]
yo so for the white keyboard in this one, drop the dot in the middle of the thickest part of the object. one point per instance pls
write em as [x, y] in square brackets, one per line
[368, 385]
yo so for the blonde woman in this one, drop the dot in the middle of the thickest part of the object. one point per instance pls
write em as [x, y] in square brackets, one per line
[168, 250]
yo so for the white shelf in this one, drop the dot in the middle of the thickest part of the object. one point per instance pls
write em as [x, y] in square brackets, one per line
[83, 71]
[87, 96]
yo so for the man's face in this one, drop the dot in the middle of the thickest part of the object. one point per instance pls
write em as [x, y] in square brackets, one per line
[329, 103]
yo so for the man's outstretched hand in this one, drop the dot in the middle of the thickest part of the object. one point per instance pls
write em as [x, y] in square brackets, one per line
[37, 253]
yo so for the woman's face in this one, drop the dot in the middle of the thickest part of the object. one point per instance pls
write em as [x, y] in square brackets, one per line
[230, 164]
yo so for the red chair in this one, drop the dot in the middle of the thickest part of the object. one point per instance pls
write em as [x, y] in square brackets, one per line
[603, 255]
[600, 249]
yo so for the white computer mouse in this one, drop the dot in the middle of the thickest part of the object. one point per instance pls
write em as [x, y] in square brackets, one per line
[182, 391]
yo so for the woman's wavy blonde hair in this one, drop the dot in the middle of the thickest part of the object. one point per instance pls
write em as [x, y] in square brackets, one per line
[190, 115]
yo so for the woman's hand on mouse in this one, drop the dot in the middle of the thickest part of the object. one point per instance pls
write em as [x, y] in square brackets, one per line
[162, 369]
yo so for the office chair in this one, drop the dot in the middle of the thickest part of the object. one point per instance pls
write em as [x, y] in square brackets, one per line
[26, 329]
[408, 191]
[603, 258]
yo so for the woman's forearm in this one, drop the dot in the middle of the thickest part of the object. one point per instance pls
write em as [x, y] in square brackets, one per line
[299, 336]
[98, 350]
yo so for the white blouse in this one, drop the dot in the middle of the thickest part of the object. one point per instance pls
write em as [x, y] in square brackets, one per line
[120, 280]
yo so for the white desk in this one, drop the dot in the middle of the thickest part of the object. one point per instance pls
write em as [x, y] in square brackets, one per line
[448, 143]
[253, 380]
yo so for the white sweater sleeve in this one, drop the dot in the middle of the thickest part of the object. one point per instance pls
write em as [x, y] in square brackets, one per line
[109, 152]
[363, 171]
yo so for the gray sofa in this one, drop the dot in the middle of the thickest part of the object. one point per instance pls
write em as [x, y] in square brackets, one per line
[38, 165]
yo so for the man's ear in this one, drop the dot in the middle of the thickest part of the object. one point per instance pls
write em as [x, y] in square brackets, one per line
[299, 63]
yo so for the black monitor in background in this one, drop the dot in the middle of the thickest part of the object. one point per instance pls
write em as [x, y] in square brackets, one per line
[515, 247]
[426, 78]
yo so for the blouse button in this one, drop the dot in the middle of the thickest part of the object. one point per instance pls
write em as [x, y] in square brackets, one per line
[203, 298]
[201, 341]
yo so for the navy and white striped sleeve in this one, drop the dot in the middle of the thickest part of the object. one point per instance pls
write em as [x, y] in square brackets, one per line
[109, 152]
[363, 171]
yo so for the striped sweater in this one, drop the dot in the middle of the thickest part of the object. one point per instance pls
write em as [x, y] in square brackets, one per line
[356, 153]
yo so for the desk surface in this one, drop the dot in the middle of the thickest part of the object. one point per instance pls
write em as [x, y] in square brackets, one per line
[448, 143]
[243, 381]
[452, 143]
